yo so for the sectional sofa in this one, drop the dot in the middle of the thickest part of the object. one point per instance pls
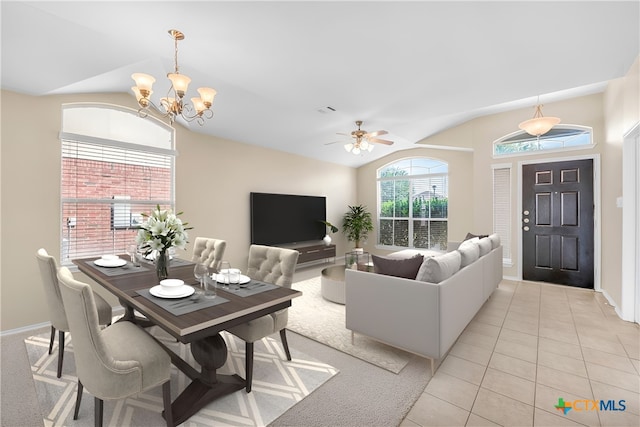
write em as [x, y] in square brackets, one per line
[426, 314]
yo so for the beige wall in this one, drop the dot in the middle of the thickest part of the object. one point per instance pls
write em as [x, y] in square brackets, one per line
[213, 181]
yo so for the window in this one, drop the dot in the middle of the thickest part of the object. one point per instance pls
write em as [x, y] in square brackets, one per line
[559, 138]
[413, 204]
[502, 208]
[115, 166]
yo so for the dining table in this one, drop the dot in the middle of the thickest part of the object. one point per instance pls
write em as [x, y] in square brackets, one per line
[195, 321]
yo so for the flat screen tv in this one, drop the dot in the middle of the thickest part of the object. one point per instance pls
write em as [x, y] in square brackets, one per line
[286, 218]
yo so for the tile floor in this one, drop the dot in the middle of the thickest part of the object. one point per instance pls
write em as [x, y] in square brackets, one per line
[530, 345]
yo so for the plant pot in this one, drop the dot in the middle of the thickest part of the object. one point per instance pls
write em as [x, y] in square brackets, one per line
[359, 250]
[327, 240]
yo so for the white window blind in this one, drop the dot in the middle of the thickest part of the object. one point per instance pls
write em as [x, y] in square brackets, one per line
[502, 208]
[106, 186]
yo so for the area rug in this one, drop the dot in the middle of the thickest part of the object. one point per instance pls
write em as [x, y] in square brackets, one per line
[277, 386]
[324, 321]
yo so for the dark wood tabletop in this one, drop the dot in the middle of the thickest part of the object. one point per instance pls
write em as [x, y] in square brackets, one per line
[191, 326]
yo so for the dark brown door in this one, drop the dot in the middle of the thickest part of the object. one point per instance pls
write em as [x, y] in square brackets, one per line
[557, 223]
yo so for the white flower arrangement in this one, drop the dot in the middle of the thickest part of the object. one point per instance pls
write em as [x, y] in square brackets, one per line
[161, 231]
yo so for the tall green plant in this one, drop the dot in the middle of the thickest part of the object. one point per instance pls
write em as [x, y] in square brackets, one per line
[357, 223]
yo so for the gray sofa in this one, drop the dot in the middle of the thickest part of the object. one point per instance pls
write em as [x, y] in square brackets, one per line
[425, 315]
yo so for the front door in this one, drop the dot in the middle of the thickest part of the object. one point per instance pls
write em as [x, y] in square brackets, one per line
[557, 223]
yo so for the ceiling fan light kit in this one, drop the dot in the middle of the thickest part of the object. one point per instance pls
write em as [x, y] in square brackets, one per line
[539, 124]
[363, 140]
[173, 105]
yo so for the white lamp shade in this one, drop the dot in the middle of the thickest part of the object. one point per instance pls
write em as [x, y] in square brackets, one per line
[370, 148]
[539, 125]
[348, 147]
[143, 81]
[180, 83]
[364, 144]
[198, 104]
[356, 150]
[207, 94]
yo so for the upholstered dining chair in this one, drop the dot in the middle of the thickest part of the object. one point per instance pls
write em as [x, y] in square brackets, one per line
[48, 271]
[112, 363]
[271, 265]
[209, 251]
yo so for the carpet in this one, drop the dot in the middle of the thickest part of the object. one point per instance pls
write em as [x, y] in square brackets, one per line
[324, 321]
[277, 386]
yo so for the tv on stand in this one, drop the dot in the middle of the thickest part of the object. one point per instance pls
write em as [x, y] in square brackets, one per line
[290, 221]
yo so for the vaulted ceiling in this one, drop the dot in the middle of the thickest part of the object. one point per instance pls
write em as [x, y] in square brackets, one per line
[411, 68]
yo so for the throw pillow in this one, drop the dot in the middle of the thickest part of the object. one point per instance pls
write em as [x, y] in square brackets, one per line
[479, 236]
[439, 268]
[469, 252]
[407, 268]
[485, 246]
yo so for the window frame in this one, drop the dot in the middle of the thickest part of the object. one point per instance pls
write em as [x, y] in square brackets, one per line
[567, 127]
[409, 218]
[505, 231]
[166, 157]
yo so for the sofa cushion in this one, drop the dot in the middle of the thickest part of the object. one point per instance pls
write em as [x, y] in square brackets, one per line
[485, 246]
[439, 268]
[495, 240]
[469, 252]
[407, 268]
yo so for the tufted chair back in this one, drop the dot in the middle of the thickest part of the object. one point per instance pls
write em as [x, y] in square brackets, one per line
[272, 265]
[209, 251]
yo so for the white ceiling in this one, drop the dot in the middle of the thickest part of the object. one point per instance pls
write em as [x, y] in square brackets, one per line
[412, 68]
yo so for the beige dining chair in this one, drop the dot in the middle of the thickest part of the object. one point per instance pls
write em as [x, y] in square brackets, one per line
[271, 265]
[119, 361]
[209, 251]
[48, 271]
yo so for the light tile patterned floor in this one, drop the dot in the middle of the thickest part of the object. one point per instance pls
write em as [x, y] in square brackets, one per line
[530, 345]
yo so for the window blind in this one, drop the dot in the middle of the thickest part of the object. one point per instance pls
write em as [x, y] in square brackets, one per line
[502, 208]
[105, 188]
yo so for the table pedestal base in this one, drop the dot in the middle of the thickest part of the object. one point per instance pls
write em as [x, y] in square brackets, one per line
[211, 354]
[197, 395]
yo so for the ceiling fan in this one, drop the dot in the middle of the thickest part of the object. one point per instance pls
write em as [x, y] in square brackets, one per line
[363, 140]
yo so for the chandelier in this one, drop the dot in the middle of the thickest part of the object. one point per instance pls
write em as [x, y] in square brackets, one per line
[174, 105]
[539, 124]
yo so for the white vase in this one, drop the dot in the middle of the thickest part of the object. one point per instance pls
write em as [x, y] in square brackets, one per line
[327, 239]
[359, 250]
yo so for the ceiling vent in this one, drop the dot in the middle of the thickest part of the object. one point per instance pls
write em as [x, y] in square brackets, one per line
[325, 110]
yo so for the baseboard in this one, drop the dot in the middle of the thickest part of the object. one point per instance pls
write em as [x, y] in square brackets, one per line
[117, 311]
[511, 278]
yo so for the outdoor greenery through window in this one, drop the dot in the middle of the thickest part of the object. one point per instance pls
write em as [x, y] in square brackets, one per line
[560, 137]
[413, 198]
[115, 166]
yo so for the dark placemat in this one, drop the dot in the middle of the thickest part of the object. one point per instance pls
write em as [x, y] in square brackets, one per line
[251, 288]
[179, 306]
[128, 268]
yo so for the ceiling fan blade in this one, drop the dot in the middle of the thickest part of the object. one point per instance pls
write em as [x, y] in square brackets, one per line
[335, 142]
[380, 141]
[377, 133]
[345, 134]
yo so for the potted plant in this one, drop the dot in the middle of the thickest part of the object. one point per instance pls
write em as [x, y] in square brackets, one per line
[333, 228]
[356, 224]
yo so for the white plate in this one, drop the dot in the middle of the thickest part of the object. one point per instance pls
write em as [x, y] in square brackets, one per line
[243, 279]
[156, 291]
[110, 263]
